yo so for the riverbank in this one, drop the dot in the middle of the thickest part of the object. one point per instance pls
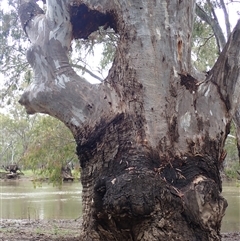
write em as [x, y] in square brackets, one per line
[54, 230]
[39, 230]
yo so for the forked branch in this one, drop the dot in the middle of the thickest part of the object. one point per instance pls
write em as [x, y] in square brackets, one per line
[56, 89]
[226, 71]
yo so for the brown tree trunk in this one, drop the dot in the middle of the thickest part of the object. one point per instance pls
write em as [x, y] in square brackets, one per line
[236, 119]
[150, 138]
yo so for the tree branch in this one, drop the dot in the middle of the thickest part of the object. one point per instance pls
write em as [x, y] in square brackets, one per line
[87, 71]
[205, 42]
[226, 17]
[212, 10]
[226, 72]
[57, 90]
[214, 25]
[236, 120]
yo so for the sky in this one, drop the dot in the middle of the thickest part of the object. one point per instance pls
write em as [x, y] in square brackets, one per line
[233, 14]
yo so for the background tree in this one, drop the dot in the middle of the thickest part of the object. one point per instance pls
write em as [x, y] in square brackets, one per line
[51, 149]
[209, 38]
[16, 135]
[40, 143]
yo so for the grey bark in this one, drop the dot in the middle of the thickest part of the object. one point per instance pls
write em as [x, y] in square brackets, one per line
[219, 35]
[150, 138]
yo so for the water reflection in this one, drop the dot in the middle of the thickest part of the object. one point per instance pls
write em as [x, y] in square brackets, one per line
[20, 200]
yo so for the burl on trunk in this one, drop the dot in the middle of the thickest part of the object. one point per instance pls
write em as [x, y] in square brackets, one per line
[150, 138]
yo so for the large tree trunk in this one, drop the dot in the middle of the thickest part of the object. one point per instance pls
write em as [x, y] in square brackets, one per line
[150, 138]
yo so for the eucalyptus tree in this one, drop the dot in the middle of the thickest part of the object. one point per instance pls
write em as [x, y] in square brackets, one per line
[40, 143]
[16, 135]
[150, 138]
[52, 148]
[212, 33]
[13, 64]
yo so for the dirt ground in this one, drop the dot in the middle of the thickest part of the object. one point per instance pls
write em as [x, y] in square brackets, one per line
[39, 230]
[55, 230]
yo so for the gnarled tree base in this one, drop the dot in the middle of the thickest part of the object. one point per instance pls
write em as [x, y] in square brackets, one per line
[166, 203]
[130, 193]
[192, 213]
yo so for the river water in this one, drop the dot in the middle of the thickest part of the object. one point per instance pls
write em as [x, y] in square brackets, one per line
[231, 220]
[20, 200]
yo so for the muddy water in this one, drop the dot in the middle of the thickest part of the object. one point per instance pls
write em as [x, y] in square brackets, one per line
[231, 220]
[20, 200]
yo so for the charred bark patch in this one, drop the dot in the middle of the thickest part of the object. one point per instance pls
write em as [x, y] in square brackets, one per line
[189, 82]
[213, 146]
[181, 172]
[128, 190]
[132, 198]
[206, 193]
[86, 149]
[131, 195]
[99, 192]
[173, 129]
[85, 21]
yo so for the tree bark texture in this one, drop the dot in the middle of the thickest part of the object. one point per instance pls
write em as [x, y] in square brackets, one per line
[150, 138]
[220, 39]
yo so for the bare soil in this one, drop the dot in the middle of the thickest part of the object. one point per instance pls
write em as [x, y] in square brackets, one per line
[54, 230]
[39, 230]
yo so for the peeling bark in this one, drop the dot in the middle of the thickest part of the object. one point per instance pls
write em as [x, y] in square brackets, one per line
[57, 90]
[150, 138]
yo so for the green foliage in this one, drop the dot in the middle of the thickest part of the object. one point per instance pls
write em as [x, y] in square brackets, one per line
[13, 63]
[40, 143]
[51, 149]
[231, 171]
[231, 163]
[204, 47]
[15, 135]
[28, 173]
